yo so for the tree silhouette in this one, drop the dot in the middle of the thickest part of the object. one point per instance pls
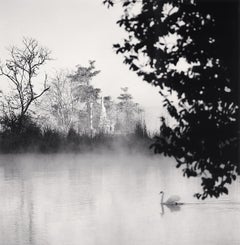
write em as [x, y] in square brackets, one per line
[189, 48]
[21, 69]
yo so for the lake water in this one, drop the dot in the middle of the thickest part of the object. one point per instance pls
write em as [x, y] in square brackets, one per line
[108, 200]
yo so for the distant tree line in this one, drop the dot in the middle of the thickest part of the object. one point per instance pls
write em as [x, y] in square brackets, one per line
[64, 112]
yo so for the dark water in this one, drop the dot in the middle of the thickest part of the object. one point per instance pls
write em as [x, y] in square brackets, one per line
[108, 200]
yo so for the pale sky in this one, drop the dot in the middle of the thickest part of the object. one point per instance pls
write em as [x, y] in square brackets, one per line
[77, 31]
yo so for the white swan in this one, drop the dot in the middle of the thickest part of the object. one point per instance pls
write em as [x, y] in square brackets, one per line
[172, 200]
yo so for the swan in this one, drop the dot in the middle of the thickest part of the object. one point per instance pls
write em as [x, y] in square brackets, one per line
[172, 200]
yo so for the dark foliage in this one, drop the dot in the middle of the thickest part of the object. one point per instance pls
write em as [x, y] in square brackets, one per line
[73, 140]
[141, 130]
[51, 141]
[204, 34]
[18, 136]
[30, 137]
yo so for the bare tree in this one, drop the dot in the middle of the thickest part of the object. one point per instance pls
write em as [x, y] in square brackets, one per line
[21, 69]
[73, 100]
[61, 103]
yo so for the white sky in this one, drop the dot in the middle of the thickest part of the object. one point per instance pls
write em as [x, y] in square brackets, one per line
[77, 31]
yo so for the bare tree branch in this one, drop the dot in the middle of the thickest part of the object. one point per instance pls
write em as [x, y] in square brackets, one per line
[20, 69]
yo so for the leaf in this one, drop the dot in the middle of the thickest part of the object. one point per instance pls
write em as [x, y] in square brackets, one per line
[116, 45]
[138, 46]
[134, 67]
[197, 195]
[109, 3]
[225, 190]
[126, 3]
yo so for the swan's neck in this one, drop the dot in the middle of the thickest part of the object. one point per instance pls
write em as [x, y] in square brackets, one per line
[162, 198]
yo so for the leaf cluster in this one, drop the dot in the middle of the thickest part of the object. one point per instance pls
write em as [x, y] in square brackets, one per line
[165, 33]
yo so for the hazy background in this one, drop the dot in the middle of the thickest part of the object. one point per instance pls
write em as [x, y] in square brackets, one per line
[77, 31]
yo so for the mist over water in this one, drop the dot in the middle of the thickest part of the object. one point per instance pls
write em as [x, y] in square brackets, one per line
[107, 199]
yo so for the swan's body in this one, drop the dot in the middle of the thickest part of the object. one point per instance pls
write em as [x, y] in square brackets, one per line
[172, 200]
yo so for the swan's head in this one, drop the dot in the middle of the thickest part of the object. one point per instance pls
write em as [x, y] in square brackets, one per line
[161, 192]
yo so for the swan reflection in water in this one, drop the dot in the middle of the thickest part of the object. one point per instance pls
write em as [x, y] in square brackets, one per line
[171, 203]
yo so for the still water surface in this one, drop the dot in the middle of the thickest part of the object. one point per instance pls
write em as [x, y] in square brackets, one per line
[108, 200]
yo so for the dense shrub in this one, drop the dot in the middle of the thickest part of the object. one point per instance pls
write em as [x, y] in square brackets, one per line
[28, 136]
[17, 136]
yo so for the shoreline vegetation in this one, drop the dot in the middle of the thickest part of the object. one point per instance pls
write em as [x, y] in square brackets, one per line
[63, 113]
[34, 139]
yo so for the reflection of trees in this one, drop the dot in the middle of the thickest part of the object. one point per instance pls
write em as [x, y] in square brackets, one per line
[19, 212]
